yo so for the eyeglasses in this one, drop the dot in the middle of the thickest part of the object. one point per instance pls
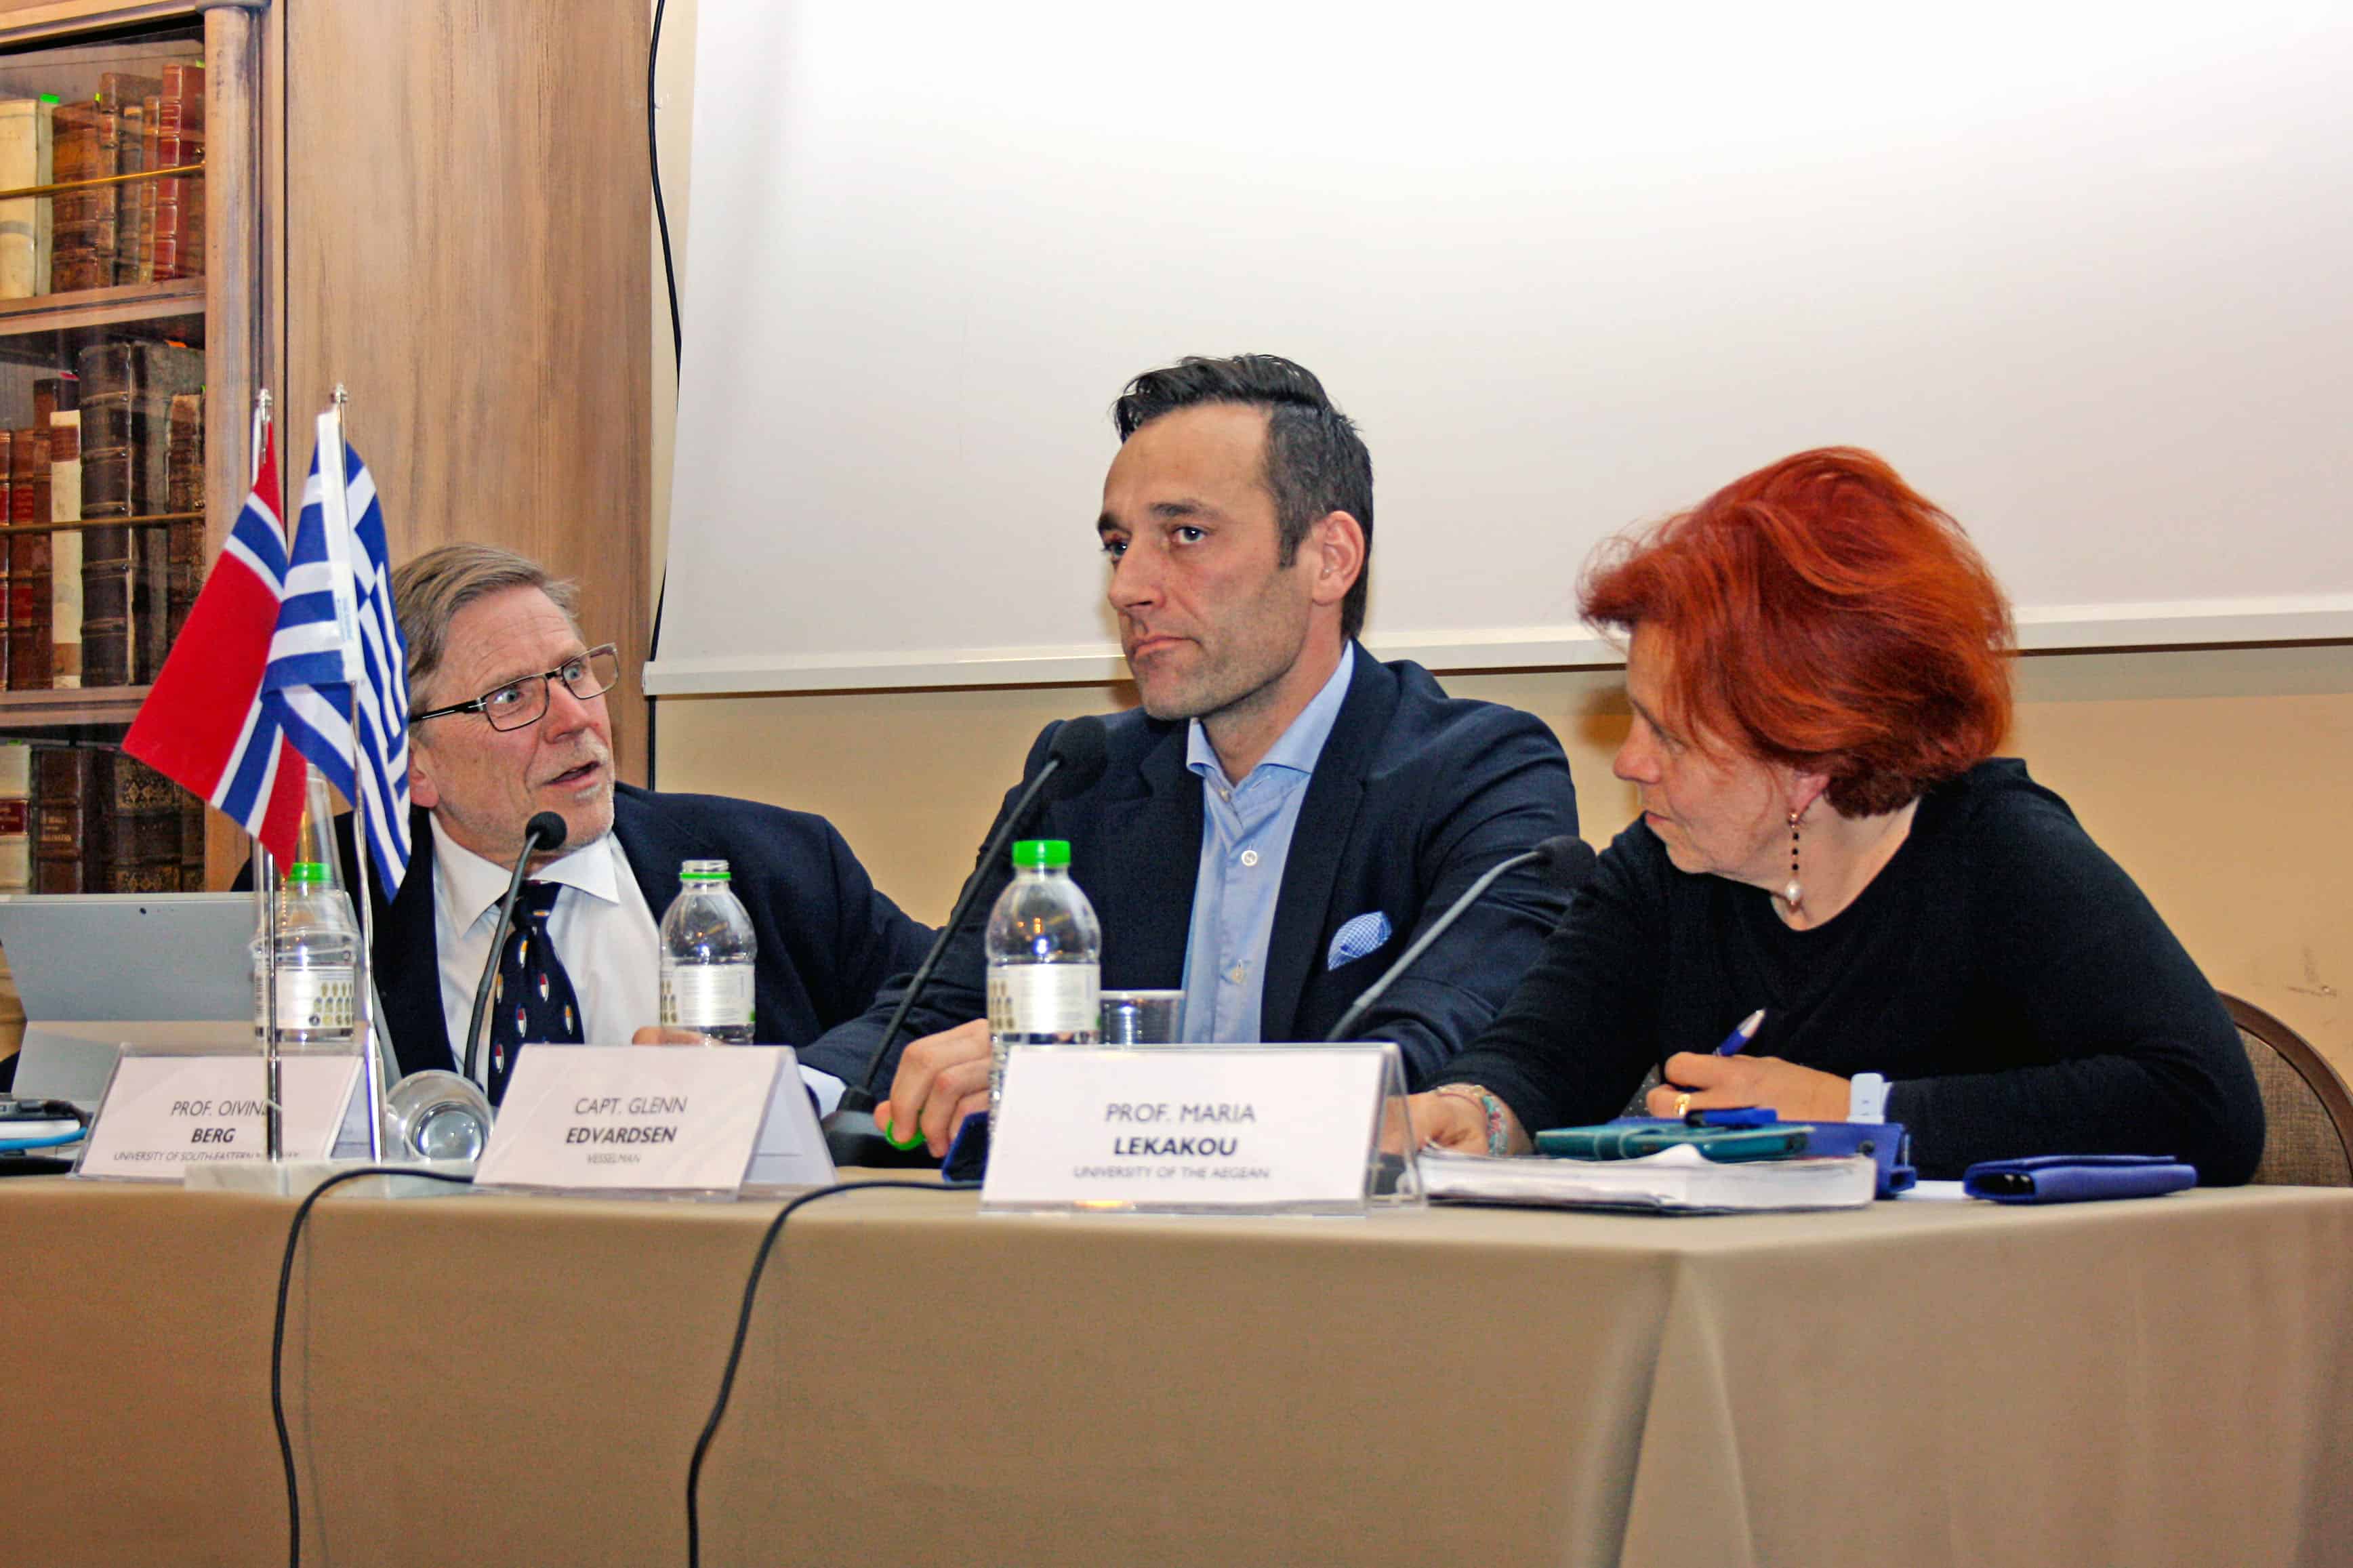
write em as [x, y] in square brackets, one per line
[522, 703]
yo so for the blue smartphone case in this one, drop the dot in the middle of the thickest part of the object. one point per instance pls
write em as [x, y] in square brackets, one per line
[2076, 1178]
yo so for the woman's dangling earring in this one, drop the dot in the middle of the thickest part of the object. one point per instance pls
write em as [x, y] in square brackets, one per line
[1795, 893]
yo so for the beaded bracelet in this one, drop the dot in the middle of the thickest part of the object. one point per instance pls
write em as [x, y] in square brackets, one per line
[1498, 1137]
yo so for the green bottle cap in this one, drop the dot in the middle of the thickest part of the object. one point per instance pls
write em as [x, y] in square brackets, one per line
[704, 871]
[50, 99]
[1031, 853]
[307, 873]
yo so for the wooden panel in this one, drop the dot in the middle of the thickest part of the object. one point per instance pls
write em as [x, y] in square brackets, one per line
[232, 279]
[465, 249]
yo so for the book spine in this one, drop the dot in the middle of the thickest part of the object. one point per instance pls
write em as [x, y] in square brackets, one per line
[30, 566]
[107, 419]
[15, 817]
[166, 370]
[184, 491]
[179, 242]
[149, 157]
[165, 244]
[61, 788]
[82, 237]
[119, 154]
[7, 516]
[145, 811]
[192, 186]
[192, 843]
[120, 102]
[64, 546]
[25, 160]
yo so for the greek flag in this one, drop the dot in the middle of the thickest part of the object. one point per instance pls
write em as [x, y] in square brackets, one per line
[338, 670]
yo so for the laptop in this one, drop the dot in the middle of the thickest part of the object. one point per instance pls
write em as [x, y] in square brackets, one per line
[98, 971]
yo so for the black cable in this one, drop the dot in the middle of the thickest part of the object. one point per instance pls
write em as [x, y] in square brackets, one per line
[278, 1337]
[744, 1330]
[661, 215]
[677, 335]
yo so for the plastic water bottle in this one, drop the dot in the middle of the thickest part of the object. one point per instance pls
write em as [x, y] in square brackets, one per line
[1045, 960]
[707, 956]
[318, 954]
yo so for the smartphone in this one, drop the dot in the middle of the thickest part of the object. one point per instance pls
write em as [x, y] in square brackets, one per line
[1616, 1140]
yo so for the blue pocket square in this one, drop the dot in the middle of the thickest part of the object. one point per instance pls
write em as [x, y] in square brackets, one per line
[1360, 936]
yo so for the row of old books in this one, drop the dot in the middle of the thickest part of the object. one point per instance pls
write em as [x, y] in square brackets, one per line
[78, 819]
[122, 437]
[139, 231]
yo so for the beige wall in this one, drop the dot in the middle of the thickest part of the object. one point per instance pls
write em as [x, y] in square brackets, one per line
[2214, 776]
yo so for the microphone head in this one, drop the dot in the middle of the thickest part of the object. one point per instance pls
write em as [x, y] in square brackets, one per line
[550, 830]
[1567, 862]
[1079, 745]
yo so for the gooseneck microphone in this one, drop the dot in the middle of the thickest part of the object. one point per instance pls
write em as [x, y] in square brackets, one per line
[1567, 863]
[1073, 763]
[545, 831]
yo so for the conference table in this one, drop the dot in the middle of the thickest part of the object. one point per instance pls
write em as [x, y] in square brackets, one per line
[487, 1379]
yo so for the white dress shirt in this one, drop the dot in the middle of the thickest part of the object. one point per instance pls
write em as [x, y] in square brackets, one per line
[601, 927]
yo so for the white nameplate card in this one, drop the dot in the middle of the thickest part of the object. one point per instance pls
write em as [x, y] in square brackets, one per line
[644, 1118]
[163, 1114]
[791, 1152]
[1189, 1127]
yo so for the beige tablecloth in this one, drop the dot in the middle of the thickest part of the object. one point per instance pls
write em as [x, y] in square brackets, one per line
[492, 1380]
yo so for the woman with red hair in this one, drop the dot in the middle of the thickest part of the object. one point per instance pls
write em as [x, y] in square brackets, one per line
[1818, 663]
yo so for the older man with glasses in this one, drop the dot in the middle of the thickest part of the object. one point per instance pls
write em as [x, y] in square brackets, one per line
[510, 721]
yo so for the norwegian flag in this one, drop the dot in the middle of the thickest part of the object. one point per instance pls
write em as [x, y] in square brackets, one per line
[208, 725]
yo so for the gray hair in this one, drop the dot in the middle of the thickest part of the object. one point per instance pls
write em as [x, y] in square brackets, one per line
[430, 590]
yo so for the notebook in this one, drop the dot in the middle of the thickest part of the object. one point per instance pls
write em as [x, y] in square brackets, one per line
[1675, 1181]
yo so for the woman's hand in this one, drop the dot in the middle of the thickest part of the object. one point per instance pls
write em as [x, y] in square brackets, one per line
[1711, 1082]
[1455, 1118]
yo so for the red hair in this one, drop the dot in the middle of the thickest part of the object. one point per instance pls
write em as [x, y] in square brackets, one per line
[1823, 615]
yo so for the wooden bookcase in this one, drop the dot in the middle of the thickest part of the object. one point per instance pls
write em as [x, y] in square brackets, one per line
[58, 55]
[443, 206]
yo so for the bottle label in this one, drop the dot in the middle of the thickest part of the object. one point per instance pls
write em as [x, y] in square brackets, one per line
[707, 995]
[316, 1001]
[1033, 999]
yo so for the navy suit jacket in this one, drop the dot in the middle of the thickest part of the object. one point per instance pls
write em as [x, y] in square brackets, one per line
[1415, 795]
[827, 939]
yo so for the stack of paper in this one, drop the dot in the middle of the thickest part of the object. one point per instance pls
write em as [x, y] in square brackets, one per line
[1675, 1180]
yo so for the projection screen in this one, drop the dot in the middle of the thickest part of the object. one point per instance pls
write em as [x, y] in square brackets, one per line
[2080, 272]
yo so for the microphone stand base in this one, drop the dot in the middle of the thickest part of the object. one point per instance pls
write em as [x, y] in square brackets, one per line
[853, 1138]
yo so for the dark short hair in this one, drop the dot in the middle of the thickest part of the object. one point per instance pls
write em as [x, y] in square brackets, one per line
[1316, 461]
[1822, 613]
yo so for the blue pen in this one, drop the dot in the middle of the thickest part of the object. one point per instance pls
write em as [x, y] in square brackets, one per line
[1735, 1042]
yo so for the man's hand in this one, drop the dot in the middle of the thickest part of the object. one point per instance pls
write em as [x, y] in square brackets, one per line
[664, 1035]
[1795, 1093]
[941, 1079]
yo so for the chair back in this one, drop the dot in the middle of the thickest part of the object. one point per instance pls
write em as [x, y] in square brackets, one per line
[2307, 1109]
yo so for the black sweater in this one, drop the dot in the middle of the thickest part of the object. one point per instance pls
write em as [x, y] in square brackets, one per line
[2017, 990]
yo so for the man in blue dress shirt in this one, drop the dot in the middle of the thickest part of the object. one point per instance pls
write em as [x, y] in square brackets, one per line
[1283, 810]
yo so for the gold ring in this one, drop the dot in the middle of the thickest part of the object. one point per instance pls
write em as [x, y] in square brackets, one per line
[1682, 1106]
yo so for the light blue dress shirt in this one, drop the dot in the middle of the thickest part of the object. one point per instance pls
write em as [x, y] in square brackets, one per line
[1246, 831]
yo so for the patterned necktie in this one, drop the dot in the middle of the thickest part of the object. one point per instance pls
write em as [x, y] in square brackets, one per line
[531, 999]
